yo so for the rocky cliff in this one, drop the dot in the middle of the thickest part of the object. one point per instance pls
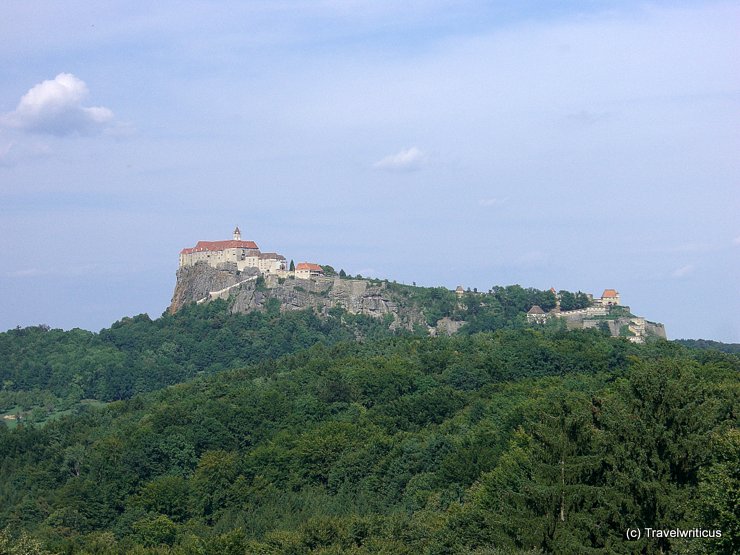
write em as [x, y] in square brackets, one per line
[201, 283]
[195, 283]
[400, 306]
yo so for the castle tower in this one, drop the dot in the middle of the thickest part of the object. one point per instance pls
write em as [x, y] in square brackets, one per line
[557, 298]
[237, 234]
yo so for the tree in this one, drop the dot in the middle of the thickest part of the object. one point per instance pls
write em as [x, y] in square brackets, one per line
[210, 484]
[167, 495]
[155, 530]
[719, 491]
[20, 545]
[542, 492]
[292, 265]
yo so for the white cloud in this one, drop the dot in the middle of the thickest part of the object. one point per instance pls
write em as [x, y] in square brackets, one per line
[55, 107]
[409, 159]
[683, 271]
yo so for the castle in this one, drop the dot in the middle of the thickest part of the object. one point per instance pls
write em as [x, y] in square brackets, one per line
[602, 311]
[242, 261]
[245, 254]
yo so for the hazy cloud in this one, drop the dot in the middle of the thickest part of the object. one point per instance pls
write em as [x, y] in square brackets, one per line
[409, 159]
[585, 117]
[5, 153]
[15, 152]
[736, 240]
[691, 246]
[683, 271]
[55, 107]
[532, 258]
[27, 272]
[491, 201]
[55, 271]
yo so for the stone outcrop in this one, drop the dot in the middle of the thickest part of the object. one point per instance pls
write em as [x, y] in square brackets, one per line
[194, 283]
[446, 326]
[322, 294]
[201, 283]
[655, 329]
[249, 290]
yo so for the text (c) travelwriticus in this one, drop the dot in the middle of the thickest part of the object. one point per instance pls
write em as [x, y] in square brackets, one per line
[692, 533]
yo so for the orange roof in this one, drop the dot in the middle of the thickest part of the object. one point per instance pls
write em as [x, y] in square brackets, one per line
[309, 266]
[609, 293]
[219, 246]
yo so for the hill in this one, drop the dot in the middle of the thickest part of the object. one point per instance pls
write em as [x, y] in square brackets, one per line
[709, 344]
[223, 319]
[330, 416]
[522, 440]
[431, 309]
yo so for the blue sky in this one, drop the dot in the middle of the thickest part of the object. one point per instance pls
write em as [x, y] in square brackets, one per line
[583, 145]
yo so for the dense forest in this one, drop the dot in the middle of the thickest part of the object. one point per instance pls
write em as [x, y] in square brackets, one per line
[45, 372]
[302, 435]
[709, 344]
[50, 369]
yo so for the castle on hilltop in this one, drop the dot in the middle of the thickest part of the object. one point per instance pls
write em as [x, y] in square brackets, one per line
[604, 311]
[244, 254]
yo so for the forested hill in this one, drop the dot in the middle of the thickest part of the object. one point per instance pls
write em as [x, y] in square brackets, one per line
[709, 344]
[45, 371]
[515, 441]
[139, 354]
[212, 431]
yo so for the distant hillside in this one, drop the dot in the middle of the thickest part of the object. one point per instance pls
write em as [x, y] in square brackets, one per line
[710, 344]
[434, 310]
[518, 441]
[348, 416]
[46, 370]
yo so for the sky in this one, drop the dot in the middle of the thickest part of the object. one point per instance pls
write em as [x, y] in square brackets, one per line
[576, 145]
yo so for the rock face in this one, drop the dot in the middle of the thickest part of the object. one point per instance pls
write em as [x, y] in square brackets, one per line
[194, 283]
[200, 283]
[247, 291]
[656, 329]
[447, 326]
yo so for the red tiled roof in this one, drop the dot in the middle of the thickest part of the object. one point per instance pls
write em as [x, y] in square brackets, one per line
[309, 266]
[536, 310]
[219, 246]
[609, 293]
[271, 256]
